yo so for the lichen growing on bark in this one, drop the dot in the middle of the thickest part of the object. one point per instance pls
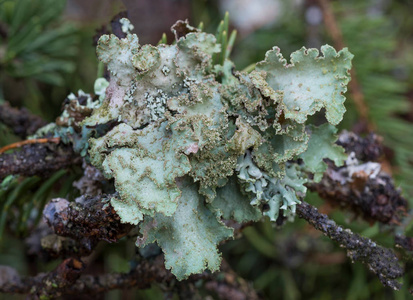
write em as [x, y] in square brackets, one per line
[190, 141]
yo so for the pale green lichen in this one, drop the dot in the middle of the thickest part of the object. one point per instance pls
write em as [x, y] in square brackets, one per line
[189, 238]
[100, 87]
[127, 26]
[310, 82]
[69, 125]
[322, 145]
[189, 143]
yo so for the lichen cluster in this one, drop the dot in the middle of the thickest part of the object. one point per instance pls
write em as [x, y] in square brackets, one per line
[192, 142]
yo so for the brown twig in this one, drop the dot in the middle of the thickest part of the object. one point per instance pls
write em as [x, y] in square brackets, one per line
[38, 159]
[43, 244]
[354, 87]
[375, 198]
[89, 217]
[27, 142]
[50, 284]
[381, 261]
[56, 282]
[66, 280]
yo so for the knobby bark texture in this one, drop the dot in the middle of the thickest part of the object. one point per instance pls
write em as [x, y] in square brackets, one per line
[66, 279]
[362, 187]
[38, 159]
[49, 284]
[45, 245]
[381, 261]
[89, 217]
[77, 227]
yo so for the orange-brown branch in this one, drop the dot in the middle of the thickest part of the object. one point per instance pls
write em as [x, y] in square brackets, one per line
[354, 87]
[32, 141]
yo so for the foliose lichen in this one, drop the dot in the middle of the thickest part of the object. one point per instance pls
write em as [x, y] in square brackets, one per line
[189, 142]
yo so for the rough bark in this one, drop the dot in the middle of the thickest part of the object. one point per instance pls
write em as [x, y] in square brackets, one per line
[38, 159]
[89, 217]
[381, 261]
[66, 280]
[375, 198]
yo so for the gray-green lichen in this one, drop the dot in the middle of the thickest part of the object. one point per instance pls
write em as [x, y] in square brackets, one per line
[69, 125]
[192, 143]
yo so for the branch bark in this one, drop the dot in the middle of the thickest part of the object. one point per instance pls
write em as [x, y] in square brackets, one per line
[38, 159]
[43, 244]
[49, 284]
[89, 217]
[375, 198]
[66, 280]
[381, 261]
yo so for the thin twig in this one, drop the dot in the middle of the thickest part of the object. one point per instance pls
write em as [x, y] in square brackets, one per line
[381, 261]
[354, 87]
[88, 217]
[66, 280]
[55, 140]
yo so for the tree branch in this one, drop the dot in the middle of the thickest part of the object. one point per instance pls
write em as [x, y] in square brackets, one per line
[66, 280]
[89, 217]
[44, 244]
[38, 159]
[373, 196]
[50, 284]
[381, 261]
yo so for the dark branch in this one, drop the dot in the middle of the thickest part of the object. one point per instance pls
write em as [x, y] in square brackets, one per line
[369, 148]
[141, 277]
[38, 159]
[381, 261]
[375, 198]
[89, 217]
[44, 244]
[65, 280]
[404, 242]
[50, 284]
[21, 121]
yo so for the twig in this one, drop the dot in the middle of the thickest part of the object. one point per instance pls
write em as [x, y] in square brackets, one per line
[354, 87]
[45, 245]
[368, 148]
[60, 282]
[381, 261]
[50, 284]
[376, 198]
[231, 287]
[27, 142]
[89, 217]
[57, 281]
[21, 121]
[38, 159]
[404, 242]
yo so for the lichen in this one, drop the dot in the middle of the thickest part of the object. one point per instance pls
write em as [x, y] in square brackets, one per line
[190, 142]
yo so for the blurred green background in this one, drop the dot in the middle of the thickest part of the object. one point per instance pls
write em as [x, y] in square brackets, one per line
[46, 52]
